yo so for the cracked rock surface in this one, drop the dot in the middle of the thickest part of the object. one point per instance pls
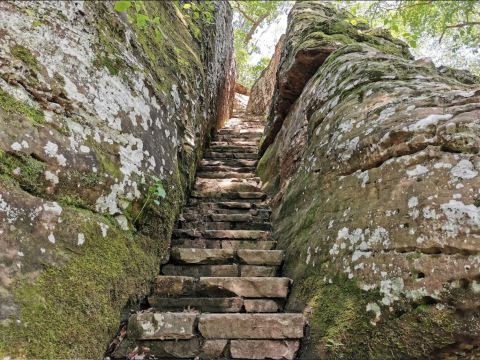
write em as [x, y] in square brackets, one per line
[375, 172]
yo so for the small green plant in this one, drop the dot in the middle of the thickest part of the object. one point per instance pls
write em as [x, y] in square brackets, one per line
[202, 11]
[154, 193]
[139, 17]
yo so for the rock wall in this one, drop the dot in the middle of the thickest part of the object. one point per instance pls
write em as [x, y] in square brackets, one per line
[263, 88]
[374, 162]
[92, 105]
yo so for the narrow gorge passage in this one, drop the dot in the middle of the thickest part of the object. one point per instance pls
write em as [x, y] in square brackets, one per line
[220, 296]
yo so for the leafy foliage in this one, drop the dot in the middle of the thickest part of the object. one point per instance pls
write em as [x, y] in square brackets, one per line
[251, 16]
[154, 193]
[455, 25]
[139, 15]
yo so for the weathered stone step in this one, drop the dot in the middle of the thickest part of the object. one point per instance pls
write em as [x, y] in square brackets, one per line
[182, 326]
[240, 144]
[230, 194]
[206, 304]
[231, 270]
[264, 349]
[210, 174]
[223, 244]
[225, 215]
[228, 169]
[222, 147]
[230, 155]
[241, 130]
[222, 234]
[237, 137]
[246, 287]
[200, 204]
[226, 256]
[227, 185]
[225, 225]
[197, 271]
[199, 348]
[251, 326]
[216, 305]
[229, 162]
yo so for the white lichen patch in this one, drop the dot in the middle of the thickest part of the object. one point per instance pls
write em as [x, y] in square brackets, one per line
[80, 239]
[464, 170]
[412, 202]
[460, 218]
[430, 120]
[373, 307]
[417, 171]
[53, 178]
[391, 290]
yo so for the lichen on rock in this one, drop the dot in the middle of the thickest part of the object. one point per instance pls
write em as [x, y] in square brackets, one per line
[375, 170]
[91, 106]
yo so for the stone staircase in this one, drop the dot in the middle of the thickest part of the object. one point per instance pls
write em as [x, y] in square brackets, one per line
[220, 296]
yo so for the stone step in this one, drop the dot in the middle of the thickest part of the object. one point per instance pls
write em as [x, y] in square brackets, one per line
[222, 234]
[230, 155]
[183, 326]
[194, 256]
[227, 185]
[206, 304]
[216, 305]
[225, 225]
[243, 131]
[264, 349]
[246, 287]
[223, 147]
[232, 270]
[250, 170]
[229, 162]
[199, 348]
[224, 206]
[228, 215]
[232, 195]
[237, 137]
[251, 326]
[197, 271]
[210, 174]
[240, 143]
[223, 244]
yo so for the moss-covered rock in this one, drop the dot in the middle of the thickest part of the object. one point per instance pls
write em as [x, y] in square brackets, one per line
[377, 171]
[94, 108]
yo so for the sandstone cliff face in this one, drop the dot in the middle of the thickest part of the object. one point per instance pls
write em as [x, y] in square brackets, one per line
[91, 106]
[262, 91]
[375, 164]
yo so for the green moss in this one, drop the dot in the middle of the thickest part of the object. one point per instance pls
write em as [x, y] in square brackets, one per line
[31, 172]
[73, 200]
[73, 310]
[113, 65]
[338, 310]
[12, 106]
[25, 55]
[341, 328]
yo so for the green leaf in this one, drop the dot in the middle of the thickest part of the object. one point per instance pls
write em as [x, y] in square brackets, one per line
[156, 20]
[156, 202]
[122, 5]
[187, 6]
[160, 191]
[142, 20]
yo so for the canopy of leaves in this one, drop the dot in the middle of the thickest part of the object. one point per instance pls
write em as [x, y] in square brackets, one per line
[455, 25]
[250, 17]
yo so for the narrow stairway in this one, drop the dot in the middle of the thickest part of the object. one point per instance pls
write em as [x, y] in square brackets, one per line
[220, 295]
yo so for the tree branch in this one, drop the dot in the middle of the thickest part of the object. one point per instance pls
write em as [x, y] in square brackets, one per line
[254, 27]
[464, 24]
[237, 6]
